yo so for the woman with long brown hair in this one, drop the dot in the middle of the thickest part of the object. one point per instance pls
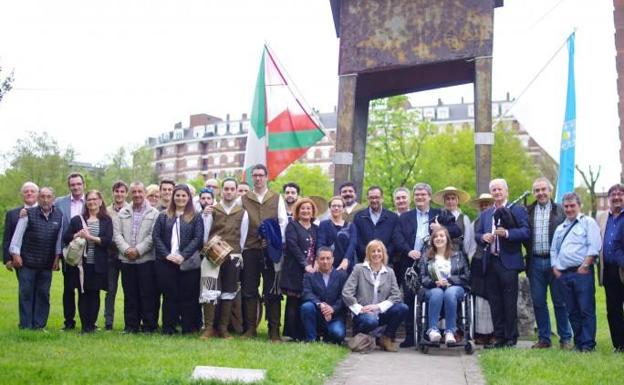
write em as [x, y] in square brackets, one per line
[445, 275]
[178, 234]
[96, 227]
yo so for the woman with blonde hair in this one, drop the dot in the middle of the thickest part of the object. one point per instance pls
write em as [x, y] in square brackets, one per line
[445, 274]
[373, 295]
[301, 236]
[152, 194]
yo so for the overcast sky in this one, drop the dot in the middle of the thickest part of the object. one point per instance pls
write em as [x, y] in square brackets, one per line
[101, 74]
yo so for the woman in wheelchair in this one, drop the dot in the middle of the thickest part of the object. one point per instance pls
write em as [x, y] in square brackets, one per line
[445, 275]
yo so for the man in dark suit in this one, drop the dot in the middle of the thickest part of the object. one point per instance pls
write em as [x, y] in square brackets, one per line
[501, 232]
[375, 222]
[71, 205]
[322, 309]
[415, 227]
[30, 192]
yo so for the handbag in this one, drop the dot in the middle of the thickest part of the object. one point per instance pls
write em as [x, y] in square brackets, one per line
[362, 343]
[75, 250]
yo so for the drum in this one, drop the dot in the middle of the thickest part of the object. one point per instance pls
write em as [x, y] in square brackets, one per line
[216, 250]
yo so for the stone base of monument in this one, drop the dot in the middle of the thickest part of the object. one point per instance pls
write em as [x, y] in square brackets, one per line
[228, 374]
[526, 316]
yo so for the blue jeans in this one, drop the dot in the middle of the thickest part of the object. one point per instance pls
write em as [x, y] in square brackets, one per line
[448, 297]
[581, 303]
[34, 297]
[540, 277]
[392, 318]
[313, 321]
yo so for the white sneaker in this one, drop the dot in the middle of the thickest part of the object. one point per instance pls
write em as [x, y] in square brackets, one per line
[449, 337]
[434, 335]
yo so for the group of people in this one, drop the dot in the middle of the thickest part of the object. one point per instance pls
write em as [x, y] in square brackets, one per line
[350, 261]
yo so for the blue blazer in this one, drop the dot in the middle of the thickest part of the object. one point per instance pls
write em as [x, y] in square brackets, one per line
[327, 234]
[384, 230]
[314, 290]
[408, 225]
[63, 204]
[10, 223]
[510, 248]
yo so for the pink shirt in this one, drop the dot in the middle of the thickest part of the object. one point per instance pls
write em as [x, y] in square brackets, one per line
[76, 206]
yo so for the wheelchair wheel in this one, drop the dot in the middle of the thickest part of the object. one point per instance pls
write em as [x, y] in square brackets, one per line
[469, 347]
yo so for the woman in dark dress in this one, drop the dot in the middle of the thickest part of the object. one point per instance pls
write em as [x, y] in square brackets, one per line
[96, 227]
[329, 229]
[301, 235]
[178, 233]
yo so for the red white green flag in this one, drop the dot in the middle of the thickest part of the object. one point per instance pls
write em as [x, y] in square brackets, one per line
[282, 129]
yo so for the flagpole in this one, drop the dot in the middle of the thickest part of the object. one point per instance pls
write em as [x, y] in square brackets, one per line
[298, 95]
[505, 114]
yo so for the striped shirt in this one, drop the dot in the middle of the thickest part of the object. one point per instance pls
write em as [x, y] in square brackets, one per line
[94, 228]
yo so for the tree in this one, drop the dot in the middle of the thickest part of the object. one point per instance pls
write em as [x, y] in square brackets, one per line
[394, 144]
[311, 179]
[125, 164]
[442, 159]
[7, 84]
[590, 184]
[37, 158]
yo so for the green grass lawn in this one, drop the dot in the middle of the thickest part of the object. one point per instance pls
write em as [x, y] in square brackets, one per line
[109, 357]
[553, 366]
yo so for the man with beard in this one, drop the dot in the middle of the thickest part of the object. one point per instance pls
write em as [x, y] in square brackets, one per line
[291, 192]
[261, 204]
[348, 194]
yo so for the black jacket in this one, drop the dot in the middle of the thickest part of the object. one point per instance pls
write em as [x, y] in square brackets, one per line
[460, 271]
[191, 235]
[408, 226]
[10, 222]
[298, 242]
[105, 235]
[384, 230]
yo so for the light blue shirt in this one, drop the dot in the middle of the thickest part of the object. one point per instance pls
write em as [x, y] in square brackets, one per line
[581, 242]
[374, 216]
[422, 218]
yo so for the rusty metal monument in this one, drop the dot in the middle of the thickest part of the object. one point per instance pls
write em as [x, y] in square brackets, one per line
[393, 47]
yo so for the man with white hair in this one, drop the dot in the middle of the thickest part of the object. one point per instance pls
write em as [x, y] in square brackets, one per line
[30, 192]
[502, 229]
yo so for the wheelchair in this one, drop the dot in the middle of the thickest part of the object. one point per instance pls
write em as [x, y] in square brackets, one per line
[465, 324]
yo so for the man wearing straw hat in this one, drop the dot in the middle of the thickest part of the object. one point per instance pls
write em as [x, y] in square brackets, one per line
[451, 197]
[484, 330]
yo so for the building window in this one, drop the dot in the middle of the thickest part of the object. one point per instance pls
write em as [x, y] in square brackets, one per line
[192, 147]
[223, 159]
[221, 128]
[178, 134]
[216, 161]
